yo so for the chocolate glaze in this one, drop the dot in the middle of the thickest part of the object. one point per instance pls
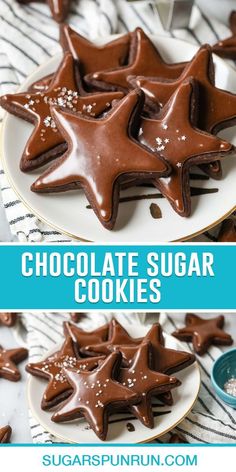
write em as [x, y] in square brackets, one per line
[174, 136]
[95, 395]
[83, 164]
[203, 333]
[227, 232]
[227, 47]
[217, 108]
[144, 60]
[52, 369]
[163, 360]
[5, 434]
[8, 319]
[8, 360]
[117, 336]
[145, 382]
[59, 8]
[83, 338]
[194, 191]
[92, 57]
[156, 414]
[46, 142]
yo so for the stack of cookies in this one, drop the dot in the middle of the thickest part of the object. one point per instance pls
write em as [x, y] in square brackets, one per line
[118, 115]
[95, 374]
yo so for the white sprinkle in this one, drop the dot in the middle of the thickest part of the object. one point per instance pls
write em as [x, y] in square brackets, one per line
[140, 132]
[159, 141]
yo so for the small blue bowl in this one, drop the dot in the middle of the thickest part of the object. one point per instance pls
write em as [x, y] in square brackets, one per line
[223, 369]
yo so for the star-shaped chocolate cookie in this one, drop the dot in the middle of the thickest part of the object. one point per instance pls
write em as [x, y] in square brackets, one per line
[95, 395]
[82, 339]
[227, 47]
[140, 378]
[174, 135]
[217, 108]
[8, 319]
[117, 336]
[227, 233]
[52, 369]
[46, 142]
[164, 360]
[144, 59]
[5, 434]
[8, 360]
[91, 57]
[94, 145]
[59, 8]
[203, 333]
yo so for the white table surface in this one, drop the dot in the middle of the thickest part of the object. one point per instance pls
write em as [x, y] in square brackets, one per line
[13, 398]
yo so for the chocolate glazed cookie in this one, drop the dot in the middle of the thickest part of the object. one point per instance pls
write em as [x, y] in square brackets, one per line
[176, 138]
[95, 395]
[52, 369]
[46, 142]
[217, 108]
[203, 333]
[226, 48]
[83, 164]
[90, 56]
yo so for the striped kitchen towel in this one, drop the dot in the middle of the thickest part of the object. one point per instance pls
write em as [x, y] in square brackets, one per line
[210, 421]
[29, 37]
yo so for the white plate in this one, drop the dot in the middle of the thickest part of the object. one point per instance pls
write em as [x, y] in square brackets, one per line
[67, 211]
[78, 432]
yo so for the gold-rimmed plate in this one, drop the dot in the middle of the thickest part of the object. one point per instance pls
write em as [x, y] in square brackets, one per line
[120, 431]
[69, 213]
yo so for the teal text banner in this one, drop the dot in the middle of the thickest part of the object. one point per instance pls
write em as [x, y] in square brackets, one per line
[91, 277]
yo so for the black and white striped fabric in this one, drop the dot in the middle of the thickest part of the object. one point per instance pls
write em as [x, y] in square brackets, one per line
[211, 421]
[29, 37]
